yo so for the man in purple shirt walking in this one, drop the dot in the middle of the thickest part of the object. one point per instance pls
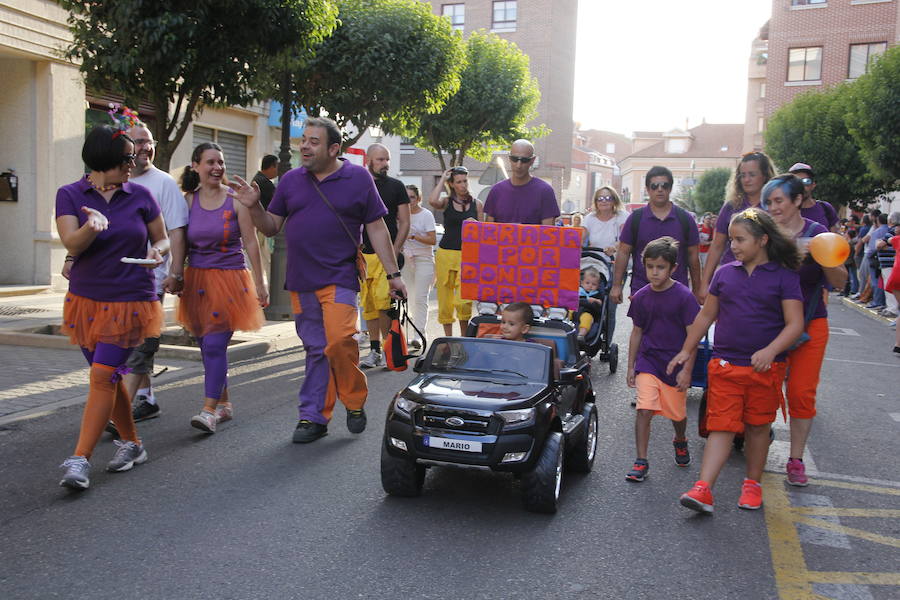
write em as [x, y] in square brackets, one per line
[521, 198]
[812, 209]
[324, 206]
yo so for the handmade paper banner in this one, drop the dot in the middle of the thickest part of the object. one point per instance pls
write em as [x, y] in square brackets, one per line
[508, 262]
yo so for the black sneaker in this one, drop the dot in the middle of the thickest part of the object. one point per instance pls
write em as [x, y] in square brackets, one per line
[144, 410]
[639, 471]
[682, 454]
[356, 421]
[111, 428]
[307, 431]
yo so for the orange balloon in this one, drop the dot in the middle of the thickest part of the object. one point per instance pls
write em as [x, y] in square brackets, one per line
[829, 249]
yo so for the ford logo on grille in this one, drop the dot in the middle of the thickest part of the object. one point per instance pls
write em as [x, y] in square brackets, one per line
[454, 421]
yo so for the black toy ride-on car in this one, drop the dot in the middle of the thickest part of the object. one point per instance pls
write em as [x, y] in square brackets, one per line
[495, 405]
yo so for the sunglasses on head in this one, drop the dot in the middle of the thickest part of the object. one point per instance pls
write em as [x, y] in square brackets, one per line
[459, 171]
[664, 185]
[522, 159]
[604, 198]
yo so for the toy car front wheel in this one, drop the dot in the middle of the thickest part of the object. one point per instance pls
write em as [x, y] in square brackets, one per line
[613, 358]
[584, 450]
[541, 485]
[399, 476]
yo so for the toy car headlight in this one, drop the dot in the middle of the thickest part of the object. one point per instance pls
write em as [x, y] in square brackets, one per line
[517, 417]
[404, 406]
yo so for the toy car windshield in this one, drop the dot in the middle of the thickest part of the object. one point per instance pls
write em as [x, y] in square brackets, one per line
[520, 360]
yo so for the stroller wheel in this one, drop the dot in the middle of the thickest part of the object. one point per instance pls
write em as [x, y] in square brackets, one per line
[613, 358]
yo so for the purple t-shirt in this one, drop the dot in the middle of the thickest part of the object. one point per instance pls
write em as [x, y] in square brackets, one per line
[214, 236]
[750, 314]
[528, 204]
[664, 318]
[98, 273]
[319, 251]
[722, 224]
[821, 212]
[811, 274]
[652, 228]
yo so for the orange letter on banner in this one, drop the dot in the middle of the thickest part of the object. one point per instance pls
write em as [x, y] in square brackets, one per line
[506, 274]
[468, 273]
[487, 293]
[550, 257]
[527, 276]
[550, 278]
[507, 234]
[571, 237]
[471, 231]
[528, 295]
[550, 236]
[528, 255]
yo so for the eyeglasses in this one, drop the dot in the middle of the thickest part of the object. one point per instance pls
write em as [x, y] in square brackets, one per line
[521, 159]
[128, 158]
[604, 198]
[806, 181]
[143, 142]
[459, 170]
[664, 185]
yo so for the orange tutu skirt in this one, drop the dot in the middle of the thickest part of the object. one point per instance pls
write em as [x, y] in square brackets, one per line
[123, 324]
[217, 300]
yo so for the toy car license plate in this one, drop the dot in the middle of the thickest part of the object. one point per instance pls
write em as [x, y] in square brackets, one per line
[451, 444]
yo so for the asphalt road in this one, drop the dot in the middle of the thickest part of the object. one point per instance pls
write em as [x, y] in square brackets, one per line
[247, 514]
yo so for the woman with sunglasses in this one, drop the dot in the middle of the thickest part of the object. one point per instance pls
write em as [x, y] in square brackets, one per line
[743, 191]
[458, 206]
[604, 223]
[111, 305]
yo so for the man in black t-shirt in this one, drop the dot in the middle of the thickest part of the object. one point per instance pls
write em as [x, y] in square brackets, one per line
[267, 172]
[374, 292]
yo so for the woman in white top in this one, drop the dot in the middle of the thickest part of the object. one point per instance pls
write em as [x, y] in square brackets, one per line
[604, 223]
[418, 250]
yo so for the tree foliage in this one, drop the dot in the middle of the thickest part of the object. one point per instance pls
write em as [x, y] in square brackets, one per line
[180, 56]
[709, 194]
[497, 97]
[388, 63]
[874, 116]
[812, 129]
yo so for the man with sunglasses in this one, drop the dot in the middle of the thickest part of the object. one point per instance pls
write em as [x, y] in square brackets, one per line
[175, 215]
[659, 218]
[521, 198]
[814, 210]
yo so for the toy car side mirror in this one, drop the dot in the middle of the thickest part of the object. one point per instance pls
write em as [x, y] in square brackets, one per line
[568, 376]
[417, 367]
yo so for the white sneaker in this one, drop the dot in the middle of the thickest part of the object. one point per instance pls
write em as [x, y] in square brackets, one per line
[128, 455]
[224, 412]
[78, 472]
[374, 359]
[205, 421]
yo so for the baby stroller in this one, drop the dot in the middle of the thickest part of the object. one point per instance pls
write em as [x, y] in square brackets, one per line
[598, 339]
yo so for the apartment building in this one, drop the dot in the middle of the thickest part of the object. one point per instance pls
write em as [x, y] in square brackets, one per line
[545, 31]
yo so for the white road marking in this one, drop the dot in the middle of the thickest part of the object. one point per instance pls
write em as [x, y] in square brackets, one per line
[779, 452]
[895, 416]
[857, 479]
[836, 591]
[815, 535]
[862, 362]
[842, 331]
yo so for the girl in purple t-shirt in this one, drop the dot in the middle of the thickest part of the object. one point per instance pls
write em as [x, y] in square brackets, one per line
[218, 297]
[757, 303]
[111, 306]
[783, 197]
[661, 312]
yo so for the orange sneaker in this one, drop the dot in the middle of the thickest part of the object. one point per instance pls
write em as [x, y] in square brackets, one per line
[698, 498]
[751, 495]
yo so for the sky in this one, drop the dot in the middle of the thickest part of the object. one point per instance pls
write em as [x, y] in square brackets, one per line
[647, 65]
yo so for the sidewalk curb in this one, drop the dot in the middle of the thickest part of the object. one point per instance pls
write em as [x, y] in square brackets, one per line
[862, 309]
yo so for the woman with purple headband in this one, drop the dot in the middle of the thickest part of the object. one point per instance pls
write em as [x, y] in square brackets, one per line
[218, 297]
[112, 304]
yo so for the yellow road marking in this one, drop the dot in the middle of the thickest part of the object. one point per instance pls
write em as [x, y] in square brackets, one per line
[788, 563]
[861, 487]
[827, 511]
[840, 577]
[865, 535]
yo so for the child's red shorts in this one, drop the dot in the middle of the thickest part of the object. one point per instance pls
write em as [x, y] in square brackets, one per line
[739, 395]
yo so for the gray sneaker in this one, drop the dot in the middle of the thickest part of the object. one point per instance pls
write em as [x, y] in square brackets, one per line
[374, 359]
[77, 475]
[128, 455]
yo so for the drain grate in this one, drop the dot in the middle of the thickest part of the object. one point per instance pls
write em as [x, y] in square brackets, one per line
[15, 311]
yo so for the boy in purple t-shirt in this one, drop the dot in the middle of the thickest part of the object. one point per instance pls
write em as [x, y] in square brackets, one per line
[661, 312]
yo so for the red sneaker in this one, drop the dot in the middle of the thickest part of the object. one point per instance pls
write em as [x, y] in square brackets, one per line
[698, 498]
[796, 473]
[751, 495]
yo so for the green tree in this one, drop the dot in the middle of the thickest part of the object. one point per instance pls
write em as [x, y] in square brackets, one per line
[496, 98]
[874, 116]
[388, 63]
[181, 56]
[709, 194]
[812, 129]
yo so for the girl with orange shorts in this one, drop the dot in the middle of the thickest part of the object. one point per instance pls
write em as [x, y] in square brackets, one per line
[111, 306]
[756, 302]
[782, 197]
[219, 297]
